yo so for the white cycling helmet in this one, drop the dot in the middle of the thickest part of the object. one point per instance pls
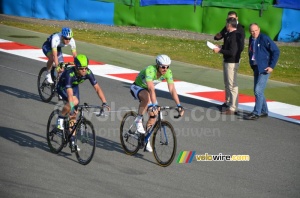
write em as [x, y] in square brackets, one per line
[163, 60]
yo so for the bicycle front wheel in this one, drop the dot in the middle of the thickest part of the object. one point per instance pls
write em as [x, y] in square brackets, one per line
[164, 144]
[55, 137]
[45, 89]
[128, 136]
[85, 141]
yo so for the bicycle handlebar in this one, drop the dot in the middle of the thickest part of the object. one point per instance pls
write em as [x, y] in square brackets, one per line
[87, 106]
[164, 108]
[65, 64]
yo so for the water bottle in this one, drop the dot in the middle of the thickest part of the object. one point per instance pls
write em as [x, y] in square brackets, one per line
[81, 129]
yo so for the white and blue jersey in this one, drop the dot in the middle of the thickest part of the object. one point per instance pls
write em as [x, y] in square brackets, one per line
[55, 42]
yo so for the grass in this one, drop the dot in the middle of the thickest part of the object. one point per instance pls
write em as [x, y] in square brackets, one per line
[189, 51]
[184, 50]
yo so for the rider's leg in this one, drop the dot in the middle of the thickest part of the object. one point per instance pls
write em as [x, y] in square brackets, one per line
[49, 67]
[67, 108]
[144, 98]
[151, 120]
[50, 61]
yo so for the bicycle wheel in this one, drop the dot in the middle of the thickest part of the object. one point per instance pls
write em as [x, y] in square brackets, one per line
[85, 141]
[164, 144]
[55, 137]
[128, 136]
[45, 89]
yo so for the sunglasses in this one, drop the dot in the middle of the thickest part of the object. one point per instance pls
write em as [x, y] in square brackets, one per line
[83, 68]
[164, 67]
[67, 38]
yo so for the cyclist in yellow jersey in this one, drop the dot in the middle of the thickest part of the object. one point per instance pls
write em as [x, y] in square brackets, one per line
[143, 89]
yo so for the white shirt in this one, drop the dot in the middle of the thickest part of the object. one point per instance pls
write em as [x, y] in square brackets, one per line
[57, 41]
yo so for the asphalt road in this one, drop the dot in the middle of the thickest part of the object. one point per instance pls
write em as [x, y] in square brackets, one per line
[28, 169]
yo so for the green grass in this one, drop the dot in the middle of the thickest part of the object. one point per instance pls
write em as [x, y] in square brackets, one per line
[184, 50]
[188, 51]
[289, 95]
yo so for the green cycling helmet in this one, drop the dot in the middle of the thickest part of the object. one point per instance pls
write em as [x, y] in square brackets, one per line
[81, 61]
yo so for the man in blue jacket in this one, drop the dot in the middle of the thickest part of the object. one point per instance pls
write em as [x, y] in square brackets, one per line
[263, 56]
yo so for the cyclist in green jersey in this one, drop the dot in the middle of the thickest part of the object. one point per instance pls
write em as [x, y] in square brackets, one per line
[143, 89]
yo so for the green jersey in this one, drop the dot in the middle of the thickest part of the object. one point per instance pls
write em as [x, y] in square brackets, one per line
[150, 74]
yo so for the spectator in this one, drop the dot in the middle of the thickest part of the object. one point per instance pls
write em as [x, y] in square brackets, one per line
[222, 34]
[231, 51]
[263, 56]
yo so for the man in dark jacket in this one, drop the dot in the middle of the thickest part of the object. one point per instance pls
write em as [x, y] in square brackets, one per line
[263, 56]
[223, 35]
[231, 51]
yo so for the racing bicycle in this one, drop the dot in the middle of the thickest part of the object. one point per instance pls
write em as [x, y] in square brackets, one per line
[85, 138]
[164, 141]
[48, 90]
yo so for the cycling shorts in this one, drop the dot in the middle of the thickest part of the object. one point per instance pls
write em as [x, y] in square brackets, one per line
[63, 93]
[47, 49]
[135, 90]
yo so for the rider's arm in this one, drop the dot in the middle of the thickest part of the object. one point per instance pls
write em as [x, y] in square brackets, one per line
[100, 93]
[70, 94]
[173, 93]
[175, 97]
[55, 58]
[73, 47]
[54, 45]
[74, 53]
[70, 98]
[151, 90]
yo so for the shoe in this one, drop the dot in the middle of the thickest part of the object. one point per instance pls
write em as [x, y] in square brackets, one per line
[140, 127]
[60, 124]
[77, 148]
[252, 116]
[224, 107]
[148, 147]
[229, 112]
[264, 115]
[73, 146]
[49, 78]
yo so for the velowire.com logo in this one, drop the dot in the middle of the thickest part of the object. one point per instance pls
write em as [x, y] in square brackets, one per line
[186, 157]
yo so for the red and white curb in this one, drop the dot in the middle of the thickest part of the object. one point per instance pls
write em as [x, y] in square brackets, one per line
[276, 109]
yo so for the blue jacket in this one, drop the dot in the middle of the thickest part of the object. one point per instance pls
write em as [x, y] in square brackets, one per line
[266, 52]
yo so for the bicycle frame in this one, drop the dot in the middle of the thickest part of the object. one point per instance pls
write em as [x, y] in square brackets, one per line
[158, 123]
[80, 118]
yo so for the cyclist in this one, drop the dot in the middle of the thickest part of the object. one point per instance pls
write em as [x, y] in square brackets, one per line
[68, 89]
[52, 48]
[143, 89]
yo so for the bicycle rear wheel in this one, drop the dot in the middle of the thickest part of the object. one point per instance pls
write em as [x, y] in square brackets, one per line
[85, 141]
[45, 89]
[128, 136]
[164, 144]
[55, 137]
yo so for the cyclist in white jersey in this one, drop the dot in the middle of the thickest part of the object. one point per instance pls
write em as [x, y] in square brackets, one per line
[143, 89]
[52, 48]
